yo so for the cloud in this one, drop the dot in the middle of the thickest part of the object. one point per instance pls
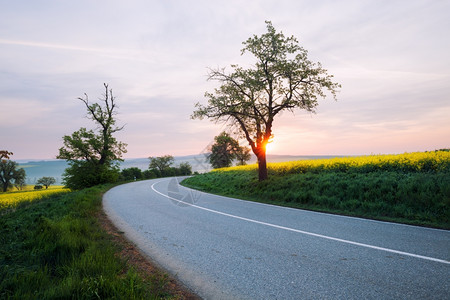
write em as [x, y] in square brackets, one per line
[51, 46]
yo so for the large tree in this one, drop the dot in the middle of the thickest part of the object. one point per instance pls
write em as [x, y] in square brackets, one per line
[282, 78]
[10, 173]
[93, 155]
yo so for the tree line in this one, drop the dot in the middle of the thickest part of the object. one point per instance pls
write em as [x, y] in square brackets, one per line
[160, 166]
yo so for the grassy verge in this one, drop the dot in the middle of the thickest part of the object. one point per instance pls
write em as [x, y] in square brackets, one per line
[55, 248]
[413, 193]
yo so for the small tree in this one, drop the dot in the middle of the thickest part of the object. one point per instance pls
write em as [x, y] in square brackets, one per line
[46, 181]
[10, 174]
[161, 164]
[226, 149]
[19, 179]
[242, 156]
[282, 79]
[93, 156]
[184, 169]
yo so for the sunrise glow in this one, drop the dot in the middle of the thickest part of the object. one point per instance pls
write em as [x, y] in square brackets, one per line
[270, 147]
[160, 70]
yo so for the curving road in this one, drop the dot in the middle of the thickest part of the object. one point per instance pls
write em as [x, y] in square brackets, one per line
[224, 248]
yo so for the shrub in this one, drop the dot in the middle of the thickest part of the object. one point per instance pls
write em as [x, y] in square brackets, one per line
[83, 174]
[131, 174]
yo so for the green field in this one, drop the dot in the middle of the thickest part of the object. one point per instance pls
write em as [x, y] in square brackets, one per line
[54, 248]
[412, 188]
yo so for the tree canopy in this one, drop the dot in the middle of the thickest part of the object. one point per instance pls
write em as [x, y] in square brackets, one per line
[10, 173]
[4, 154]
[161, 164]
[225, 150]
[46, 181]
[93, 155]
[282, 79]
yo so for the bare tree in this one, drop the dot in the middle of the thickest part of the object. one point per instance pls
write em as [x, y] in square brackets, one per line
[95, 153]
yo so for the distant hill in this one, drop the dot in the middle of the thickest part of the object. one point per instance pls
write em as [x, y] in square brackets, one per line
[36, 169]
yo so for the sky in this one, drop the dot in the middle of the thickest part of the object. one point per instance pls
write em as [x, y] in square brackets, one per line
[391, 58]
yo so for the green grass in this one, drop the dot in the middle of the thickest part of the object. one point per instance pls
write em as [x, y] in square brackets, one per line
[54, 248]
[420, 197]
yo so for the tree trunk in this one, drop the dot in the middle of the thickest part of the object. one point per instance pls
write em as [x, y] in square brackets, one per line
[262, 165]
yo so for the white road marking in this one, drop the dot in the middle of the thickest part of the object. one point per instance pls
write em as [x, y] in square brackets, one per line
[305, 232]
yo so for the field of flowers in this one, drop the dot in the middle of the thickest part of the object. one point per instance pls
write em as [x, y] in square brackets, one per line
[413, 188]
[409, 162]
[12, 199]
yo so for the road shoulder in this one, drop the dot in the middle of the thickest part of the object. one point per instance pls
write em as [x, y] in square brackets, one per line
[142, 263]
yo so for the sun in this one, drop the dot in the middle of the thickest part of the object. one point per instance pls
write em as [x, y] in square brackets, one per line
[269, 147]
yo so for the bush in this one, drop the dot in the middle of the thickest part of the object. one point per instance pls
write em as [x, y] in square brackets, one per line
[84, 174]
[183, 169]
[149, 174]
[131, 174]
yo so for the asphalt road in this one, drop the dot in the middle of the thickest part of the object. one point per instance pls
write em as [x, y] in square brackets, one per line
[224, 248]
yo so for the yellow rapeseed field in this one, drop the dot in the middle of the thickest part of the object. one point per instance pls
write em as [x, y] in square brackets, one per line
[11, 199]
[408, 162]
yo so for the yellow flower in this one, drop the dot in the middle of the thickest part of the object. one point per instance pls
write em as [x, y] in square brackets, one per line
[11, 199]
[407, 162]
